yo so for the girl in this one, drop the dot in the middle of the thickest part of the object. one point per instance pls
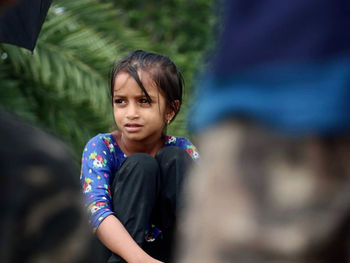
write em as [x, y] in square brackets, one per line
[132, 177]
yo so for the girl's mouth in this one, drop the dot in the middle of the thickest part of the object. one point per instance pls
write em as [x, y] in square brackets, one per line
[133, 127]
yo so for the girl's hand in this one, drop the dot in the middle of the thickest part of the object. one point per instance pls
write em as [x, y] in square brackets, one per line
[115, 237]
[153, 260]
[146, 259]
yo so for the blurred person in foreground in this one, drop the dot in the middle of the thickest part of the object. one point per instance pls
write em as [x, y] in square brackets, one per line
[42, 217]
[273, 119]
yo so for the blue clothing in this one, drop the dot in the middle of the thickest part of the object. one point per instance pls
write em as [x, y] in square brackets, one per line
[284, 64]
[101, 160]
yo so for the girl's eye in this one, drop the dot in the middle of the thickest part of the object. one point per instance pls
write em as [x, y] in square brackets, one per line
[144, 101]
[119, 101]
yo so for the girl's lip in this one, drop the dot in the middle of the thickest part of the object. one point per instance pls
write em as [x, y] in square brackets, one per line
[132, 127]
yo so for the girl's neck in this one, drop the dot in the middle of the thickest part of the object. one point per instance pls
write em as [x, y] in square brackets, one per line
[130, 147]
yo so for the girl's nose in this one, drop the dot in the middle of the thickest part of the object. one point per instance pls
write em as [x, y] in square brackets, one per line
[132, 112]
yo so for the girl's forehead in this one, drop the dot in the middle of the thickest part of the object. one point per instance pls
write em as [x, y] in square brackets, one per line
[125, 80]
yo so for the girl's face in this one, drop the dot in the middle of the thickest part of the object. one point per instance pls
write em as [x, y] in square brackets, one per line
[136, 118]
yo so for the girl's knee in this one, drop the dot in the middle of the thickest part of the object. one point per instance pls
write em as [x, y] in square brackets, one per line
[138, 170]
[172, 153]
[142, 162]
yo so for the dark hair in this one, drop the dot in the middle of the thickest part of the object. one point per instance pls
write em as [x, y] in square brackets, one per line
[161, 69]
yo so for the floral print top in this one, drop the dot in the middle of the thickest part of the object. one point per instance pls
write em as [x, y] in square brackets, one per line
[100, 162]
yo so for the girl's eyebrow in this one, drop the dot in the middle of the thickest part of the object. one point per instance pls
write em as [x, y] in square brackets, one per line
[150, 95]
[137, 96]
[118, 95]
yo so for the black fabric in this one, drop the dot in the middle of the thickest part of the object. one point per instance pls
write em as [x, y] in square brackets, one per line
[147, 189]
[42, 211]
[20, 25]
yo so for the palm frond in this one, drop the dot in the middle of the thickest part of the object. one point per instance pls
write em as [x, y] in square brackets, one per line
[63, 86]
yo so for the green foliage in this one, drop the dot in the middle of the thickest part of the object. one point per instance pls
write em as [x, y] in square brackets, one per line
[63, 86]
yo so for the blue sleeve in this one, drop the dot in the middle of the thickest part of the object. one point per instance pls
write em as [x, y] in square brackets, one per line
[190, 149]
[96, 172]
[185, 144]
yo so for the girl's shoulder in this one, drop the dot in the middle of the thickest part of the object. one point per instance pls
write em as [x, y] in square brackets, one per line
[183, 143]
[103, 142]
[176, 140]
[102, 139]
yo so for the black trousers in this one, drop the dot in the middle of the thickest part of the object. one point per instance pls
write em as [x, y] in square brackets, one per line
[147, 189]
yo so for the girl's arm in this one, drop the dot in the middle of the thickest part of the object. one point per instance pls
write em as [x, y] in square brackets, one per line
[113, 235]
[97, 167]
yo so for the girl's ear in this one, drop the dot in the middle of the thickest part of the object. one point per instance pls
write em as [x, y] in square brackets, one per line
[170, 112]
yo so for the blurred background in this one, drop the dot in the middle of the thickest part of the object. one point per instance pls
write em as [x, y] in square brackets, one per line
[62, 87]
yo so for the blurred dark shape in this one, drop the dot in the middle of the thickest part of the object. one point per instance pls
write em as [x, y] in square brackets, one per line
[284, 64]
[260, 196]
[6, 3]
[21, 23]
[273, 120]
[42, 215]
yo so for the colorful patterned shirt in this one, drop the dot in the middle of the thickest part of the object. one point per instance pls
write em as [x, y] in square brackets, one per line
[100, 161]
